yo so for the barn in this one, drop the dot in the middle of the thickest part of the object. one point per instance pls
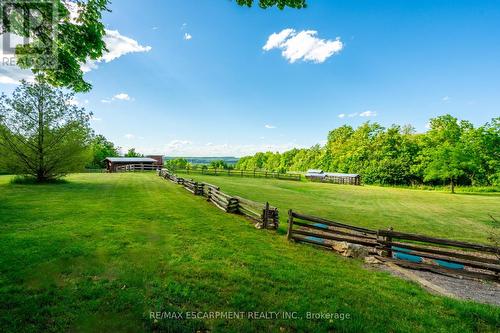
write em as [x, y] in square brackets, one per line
[336, 178]
[146, 163]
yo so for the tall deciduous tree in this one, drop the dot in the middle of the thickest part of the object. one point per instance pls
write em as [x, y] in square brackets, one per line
[102, 148]
[449, 157]
[133, 153]
[43, 134]
[451, 151]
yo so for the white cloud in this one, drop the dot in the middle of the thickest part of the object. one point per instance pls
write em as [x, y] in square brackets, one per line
[269, 126]
[276, 40]
[74, 101]
[95, 119]
[189, 148]
[73, 8]
[178, 145]
[14, 74]
[122, 97]
[368, 113]
[118, 45]
[446, 99]
[129, 136]
[119, 97]
[303, 45]
[10, 73]
[187, 36]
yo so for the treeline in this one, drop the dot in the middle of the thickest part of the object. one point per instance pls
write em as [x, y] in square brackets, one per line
[451, 151]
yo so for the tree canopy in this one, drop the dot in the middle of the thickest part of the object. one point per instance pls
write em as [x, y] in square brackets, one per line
[42, 134]
[281, 4]
[62, 41]
[133, 153]
[451, 152]
[101, 148]
[176, 164]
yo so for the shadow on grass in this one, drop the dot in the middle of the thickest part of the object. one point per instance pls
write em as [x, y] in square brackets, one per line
[26, 180]
[486, 194]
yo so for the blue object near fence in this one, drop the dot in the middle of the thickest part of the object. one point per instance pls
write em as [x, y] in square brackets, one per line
[316, 239]
[448, 264]
[320, 225]
[404, 254]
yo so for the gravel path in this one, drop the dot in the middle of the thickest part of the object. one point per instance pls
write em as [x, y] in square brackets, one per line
[466, 289]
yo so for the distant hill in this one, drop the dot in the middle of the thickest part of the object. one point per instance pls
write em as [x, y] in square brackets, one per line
[205, 160]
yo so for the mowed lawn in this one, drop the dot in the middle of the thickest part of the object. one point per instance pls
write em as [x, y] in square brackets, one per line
[101, 252]
[461, 216]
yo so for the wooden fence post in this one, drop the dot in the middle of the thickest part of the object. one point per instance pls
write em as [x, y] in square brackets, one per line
[290, 225]
[389, 239]
[266, 216]
[386, 248]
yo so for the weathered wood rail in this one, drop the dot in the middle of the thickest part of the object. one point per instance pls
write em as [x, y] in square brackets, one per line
[262, 213]
[223, 201]
[266, 216]
[242, 173]
[440, 255]
[319, 231]
[193, 187]
[407, 250]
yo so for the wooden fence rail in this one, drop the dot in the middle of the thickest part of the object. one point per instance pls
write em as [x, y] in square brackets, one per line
[413, 251]
[193, 187]
[440, 255]
[242, 173]
[136, 167]
[322, 232]
[265, 215]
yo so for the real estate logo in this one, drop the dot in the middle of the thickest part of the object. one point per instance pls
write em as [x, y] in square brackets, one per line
[28, 31]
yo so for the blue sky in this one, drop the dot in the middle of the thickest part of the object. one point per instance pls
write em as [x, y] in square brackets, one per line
[191, 77]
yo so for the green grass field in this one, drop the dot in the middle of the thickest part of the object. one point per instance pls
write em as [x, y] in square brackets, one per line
[102, 251]
[456, 216]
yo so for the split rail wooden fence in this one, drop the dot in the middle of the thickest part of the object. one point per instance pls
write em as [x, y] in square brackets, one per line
[242, 173]
[264, 214]
[439, 255]
[319, 231]
[407, 250]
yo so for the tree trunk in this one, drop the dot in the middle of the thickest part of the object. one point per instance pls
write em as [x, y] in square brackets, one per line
[452, 186]
[40, 177]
